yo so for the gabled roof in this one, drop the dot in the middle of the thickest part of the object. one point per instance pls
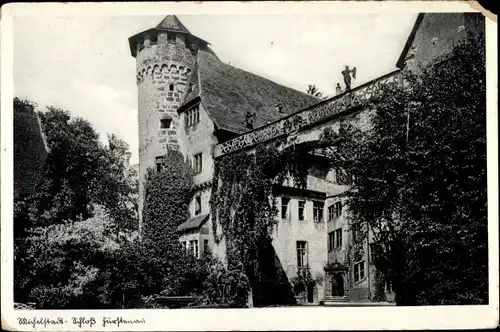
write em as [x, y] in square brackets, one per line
[228, 93]
[171, 22]
[401, 60]
[193, 223]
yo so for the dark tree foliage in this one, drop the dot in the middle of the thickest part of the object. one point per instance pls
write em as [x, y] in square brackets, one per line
[313, 90]
[79, 173]
[421, 181]
[53, 223]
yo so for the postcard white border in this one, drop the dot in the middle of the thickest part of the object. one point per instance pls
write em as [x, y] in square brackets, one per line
[294, 318]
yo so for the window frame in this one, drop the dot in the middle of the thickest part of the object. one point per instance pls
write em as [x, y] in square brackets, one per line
[194, 246]
[166, 120]
[192, 116]
[318, 211]
[338, 238]
[303, 258]
[285, 214]
[331, 241]
[171, 37]
[357, 269]
[301, 207]
[198, 163]
[197, 207]
[159, 163]
[206, 247]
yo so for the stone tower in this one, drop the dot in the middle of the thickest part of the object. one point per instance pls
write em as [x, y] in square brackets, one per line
[166, 60]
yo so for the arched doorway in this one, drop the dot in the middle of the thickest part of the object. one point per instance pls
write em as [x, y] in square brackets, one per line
[337, 285]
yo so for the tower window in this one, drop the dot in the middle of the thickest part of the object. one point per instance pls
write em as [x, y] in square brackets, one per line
[171, 37]
[159, 161]
[165, 123]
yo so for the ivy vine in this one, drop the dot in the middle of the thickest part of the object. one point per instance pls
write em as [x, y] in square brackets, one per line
[243, 200]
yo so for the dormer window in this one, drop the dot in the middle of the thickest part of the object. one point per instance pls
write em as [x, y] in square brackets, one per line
[171, 37]
[192, 116]
[279, 108]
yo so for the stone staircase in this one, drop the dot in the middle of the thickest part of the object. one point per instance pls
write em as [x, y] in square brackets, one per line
[329, 300]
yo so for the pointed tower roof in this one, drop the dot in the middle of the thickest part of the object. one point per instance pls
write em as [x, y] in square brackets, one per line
[171, 22]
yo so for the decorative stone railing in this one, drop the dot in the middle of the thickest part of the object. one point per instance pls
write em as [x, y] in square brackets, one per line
[312, 115]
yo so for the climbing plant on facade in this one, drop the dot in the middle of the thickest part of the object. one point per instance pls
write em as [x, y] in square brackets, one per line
[243, 201]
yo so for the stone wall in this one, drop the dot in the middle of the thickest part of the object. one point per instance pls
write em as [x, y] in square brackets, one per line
[437, 34]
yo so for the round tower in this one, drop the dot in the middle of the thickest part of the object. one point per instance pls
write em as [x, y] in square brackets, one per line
[166, 58]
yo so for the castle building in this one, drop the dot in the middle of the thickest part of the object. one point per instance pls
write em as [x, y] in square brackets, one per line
[189, 100]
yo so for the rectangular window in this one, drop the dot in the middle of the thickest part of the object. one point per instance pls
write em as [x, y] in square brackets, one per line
[338, 238]
[193, 116]
[301, 254]
[171, 37]
[334, 211]
[356, 232]
[205, 246]
[197, 164]
[338, 209]
[359, 271]
[331, 241]
[284, 207]
[331, 212]
[193, 244]
[302, 205]
[165, 123]
[197, 205]
[318, 211]
[159, 162]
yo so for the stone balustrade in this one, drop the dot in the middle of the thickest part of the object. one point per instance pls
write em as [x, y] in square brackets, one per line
[310, 116]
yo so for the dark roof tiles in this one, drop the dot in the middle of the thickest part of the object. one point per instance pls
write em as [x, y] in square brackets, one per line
[228, 93]
[193, 223]
[171, 22]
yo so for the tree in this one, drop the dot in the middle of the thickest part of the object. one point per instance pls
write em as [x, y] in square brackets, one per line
[119, 185]
[314, 91]
[62, 264]
[421, 181]
[80, 172]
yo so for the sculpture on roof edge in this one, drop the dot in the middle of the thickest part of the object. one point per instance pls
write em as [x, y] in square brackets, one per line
[347, 76]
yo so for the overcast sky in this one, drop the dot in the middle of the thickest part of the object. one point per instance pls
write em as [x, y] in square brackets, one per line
[83, 64]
